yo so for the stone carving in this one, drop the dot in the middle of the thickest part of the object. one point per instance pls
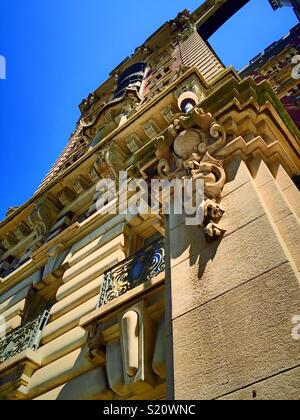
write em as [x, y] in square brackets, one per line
[91, 100]
[56, 265]
[115, 158]
[186, 150]
[136, 333]
[114, 369]
[11, 210]
[111, 115]
[134, 355]
[102, 165]
[43, 216]
[183, 26]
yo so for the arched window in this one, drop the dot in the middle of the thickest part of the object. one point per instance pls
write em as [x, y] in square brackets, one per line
[132, 77]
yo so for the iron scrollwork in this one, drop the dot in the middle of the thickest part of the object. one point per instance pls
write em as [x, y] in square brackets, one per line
[138, 269]
[25, 337]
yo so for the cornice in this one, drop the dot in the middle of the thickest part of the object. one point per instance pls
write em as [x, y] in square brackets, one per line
[226, 92]
[90, 153]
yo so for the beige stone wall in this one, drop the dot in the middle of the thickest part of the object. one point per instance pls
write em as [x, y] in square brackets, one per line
[240, 294]
[64, 367]
[63, 346]
[63, 350]
[229, 303]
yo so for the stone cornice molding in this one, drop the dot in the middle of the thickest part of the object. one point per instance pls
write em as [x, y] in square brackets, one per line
[227, 94]
[90, 155]
[66, 239]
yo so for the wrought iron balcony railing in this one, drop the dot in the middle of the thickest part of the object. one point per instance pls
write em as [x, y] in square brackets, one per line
[25, 337]
[143, 266]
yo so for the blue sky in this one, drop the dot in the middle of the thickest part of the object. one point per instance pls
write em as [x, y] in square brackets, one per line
[58, 51]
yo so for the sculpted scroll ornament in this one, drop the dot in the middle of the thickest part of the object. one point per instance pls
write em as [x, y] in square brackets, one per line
[186, 150]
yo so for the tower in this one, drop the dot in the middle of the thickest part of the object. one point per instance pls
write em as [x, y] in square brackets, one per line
[98, 301]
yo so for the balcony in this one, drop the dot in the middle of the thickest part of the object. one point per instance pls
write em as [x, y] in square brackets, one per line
[138, 269]
[26, 337]
[129, 324]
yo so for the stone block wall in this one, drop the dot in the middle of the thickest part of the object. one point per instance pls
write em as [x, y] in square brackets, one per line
[233, 301]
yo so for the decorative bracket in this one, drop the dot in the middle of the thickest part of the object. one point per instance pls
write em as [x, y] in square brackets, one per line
[43, 216]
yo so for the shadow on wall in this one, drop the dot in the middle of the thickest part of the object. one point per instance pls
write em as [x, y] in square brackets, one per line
[88, 386]
[190, 242]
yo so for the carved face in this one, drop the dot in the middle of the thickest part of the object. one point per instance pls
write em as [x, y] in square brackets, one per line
[188, 142]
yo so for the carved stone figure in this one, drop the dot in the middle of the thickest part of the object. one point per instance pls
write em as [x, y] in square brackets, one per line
[186, 150]
[43, 216]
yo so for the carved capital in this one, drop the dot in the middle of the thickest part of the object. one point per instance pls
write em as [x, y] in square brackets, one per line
[103, 164]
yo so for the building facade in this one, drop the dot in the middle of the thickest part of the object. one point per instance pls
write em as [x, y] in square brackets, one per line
[101, 303]
[276, 4]
[279, 64]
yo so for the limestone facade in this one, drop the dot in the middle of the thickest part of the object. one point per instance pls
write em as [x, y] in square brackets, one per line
[102, 306]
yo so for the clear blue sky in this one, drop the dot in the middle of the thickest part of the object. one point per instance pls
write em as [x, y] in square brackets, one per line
[58, 51]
